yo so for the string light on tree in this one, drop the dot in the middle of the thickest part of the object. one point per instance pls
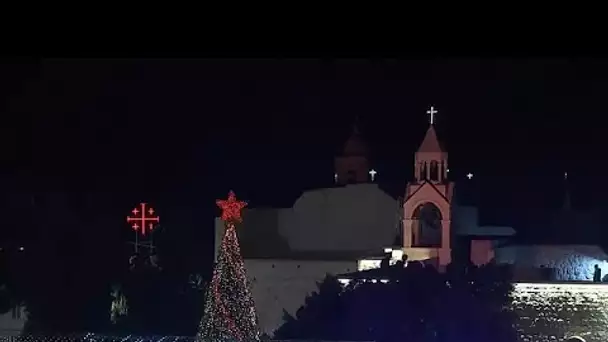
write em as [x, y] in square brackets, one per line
[229, 313]
[469, 175]
[431, 112]
[373, 174]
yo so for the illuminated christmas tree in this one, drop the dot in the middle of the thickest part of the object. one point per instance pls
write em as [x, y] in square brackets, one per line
[229, 313]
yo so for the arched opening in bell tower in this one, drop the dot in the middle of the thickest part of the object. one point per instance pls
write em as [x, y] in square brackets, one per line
[434, 171]
[426, 226]
[422, 175]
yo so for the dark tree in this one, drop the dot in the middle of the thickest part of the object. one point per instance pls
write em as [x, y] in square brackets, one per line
[465, 303]
[316, 319]
[163, 296]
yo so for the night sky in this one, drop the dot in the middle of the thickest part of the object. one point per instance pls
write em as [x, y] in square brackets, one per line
[99, 136]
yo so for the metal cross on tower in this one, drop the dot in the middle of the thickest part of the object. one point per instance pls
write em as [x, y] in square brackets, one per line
[432, 113]
[373, 174]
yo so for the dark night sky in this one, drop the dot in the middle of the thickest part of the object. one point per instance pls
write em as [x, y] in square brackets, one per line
[180, 133]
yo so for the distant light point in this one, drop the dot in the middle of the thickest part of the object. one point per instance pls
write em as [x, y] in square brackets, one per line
[469, 175]
[21, 248]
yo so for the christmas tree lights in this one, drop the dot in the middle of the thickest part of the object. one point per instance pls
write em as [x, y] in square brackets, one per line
[229, 313]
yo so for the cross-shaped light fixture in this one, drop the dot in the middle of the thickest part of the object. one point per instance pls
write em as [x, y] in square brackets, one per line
[373, 173]
[431, 112]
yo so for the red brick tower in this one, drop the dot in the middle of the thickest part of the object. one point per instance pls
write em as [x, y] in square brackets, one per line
[427, 218]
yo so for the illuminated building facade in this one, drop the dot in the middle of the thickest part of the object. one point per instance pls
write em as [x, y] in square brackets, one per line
[348, 226]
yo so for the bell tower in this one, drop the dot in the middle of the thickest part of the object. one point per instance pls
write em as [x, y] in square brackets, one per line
[352, 165]
[426, 209]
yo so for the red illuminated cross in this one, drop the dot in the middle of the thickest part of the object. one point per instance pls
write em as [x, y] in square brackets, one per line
[140, 221]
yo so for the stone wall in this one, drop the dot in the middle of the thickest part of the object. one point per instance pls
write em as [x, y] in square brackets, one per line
[570, 262]
[280, 286]
[556, 311]
[12, 322]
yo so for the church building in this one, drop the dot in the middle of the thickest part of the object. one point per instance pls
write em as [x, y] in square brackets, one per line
[351, 226]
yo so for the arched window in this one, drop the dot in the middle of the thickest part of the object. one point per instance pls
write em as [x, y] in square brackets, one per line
[427, 227]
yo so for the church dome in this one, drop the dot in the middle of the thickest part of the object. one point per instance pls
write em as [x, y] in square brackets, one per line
[355, 146]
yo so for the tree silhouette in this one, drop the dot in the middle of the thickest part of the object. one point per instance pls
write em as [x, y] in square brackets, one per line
[315, 319]
[465, 303]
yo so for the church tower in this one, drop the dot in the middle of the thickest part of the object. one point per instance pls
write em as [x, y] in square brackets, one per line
[426, 208]
[352, 166]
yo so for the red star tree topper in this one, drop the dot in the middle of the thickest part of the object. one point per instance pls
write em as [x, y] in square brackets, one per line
[231, 208]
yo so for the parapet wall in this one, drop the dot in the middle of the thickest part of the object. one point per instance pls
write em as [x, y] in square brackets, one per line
[557, 311]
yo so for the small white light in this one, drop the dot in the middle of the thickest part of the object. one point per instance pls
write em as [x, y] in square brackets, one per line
[373, 173]
[469, 175]
[447, 170]
[21, 248]
[344, 281]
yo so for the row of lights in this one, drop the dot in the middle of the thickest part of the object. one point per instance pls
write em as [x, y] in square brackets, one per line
[373, 174]
[469, 175]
